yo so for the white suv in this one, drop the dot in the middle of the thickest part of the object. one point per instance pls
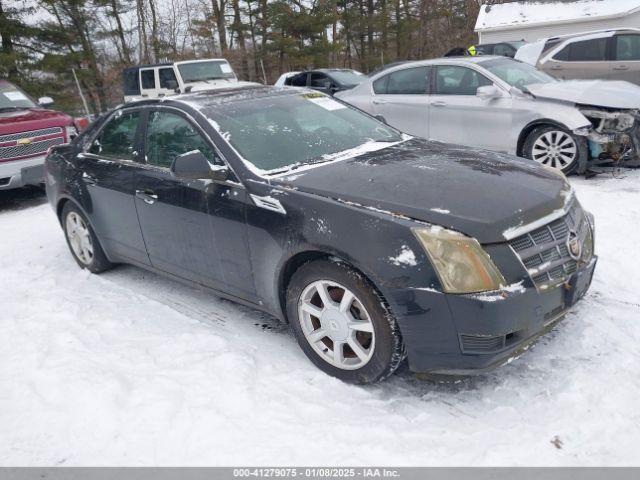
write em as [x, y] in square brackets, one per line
[164, 79]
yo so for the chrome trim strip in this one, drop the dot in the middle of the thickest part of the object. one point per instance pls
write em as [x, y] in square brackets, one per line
[516, 232]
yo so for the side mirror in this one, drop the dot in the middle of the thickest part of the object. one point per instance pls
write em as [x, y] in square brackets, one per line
[194, 165]
[45, 101]
[489, 92]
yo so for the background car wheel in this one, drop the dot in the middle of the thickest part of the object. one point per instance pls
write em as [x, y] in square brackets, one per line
[82, 240]
[556, 147]
[342, 324]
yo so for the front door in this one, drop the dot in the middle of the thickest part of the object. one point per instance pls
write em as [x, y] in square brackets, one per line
[108, 166]
[194, 229]
[626, 58]
[401, 99]
[457, 115]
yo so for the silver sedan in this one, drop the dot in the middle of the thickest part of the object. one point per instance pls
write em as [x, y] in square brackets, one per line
[504, 105]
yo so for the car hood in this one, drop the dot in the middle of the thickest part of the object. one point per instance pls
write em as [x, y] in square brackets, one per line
[16, 121]
[479, 193]
[602, 93]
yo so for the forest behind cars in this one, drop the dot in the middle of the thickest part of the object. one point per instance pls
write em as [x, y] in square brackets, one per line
[43, 40]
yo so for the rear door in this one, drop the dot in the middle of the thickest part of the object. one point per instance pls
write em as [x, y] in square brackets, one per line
[401, 98]
[625, 63]
[583, 59]
[108, 166]
[194, 229]
[148, 82]
[457, 115]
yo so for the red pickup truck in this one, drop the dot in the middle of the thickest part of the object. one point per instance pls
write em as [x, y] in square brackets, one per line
[27, 131]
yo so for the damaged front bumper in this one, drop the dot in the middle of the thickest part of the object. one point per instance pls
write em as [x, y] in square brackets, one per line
[613, 137]
[462, 335]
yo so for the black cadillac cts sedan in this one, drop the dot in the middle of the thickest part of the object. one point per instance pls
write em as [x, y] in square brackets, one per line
[373, 245]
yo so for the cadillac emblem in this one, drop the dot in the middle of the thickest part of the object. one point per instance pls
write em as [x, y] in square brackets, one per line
[574, 245]
[24, 141]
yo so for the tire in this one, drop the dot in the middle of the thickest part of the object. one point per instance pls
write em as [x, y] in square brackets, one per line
[82, 240]
[367, 325]
[556, 147]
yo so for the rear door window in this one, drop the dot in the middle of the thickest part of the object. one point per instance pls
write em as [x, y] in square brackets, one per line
[299, 80]
[410, 81]
[117, 138]
[148, 79]
[627, 48]
[170, 135]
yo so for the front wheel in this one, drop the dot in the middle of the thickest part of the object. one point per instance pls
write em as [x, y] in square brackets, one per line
[82, 240]
[342, 324]
[556, 147]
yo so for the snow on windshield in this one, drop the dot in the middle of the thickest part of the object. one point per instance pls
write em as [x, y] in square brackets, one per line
[279, 133]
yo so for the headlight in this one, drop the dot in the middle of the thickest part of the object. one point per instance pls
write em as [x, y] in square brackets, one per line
[589, 240]
[71, 132]
[460, 262]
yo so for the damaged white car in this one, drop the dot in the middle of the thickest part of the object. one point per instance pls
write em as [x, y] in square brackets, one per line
[508, 106]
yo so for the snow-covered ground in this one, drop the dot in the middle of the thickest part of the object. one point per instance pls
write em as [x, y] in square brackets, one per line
[129, 368]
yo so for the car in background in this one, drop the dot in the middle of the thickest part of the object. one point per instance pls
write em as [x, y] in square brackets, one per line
[501, 104]
[609, 55]
[27, 131]
[325, 80]
[372, 244]
[165, 79]
[501, 49]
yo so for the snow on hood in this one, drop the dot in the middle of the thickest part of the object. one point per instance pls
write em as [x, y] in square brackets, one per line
[216, 84]
[602, 93]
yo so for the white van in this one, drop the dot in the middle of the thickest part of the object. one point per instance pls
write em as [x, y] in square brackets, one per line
[164, 79]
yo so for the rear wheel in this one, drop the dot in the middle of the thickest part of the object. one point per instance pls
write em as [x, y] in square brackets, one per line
[82, 240]
[555, 147]
[342, 324]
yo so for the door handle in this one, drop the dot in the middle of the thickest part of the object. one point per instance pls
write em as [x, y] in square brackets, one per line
[147, 196]
[439, 104]
[89, 179]
[377, 101]
[556, 67]
[621, 67]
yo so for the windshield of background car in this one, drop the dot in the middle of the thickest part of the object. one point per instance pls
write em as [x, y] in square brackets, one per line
[348, 78]
[280, 132]
[516, 74]
[12, 97]
[202, 71]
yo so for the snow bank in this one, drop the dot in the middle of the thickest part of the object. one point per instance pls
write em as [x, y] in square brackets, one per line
[128, 368]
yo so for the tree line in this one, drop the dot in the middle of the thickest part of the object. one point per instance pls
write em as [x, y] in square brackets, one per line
[43, 40]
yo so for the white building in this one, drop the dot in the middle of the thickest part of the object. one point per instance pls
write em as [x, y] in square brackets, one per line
[534, 19]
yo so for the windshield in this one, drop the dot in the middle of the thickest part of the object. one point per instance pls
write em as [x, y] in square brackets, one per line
[345, 77]
[278, 133]
[203, 71]
[516, 74]
[11, 97]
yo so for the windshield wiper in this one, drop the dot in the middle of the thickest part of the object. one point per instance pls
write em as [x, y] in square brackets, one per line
[12, 108]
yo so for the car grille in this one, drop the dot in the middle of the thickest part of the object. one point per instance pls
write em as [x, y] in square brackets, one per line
[30, 149]
[32, 134]
[544, 251]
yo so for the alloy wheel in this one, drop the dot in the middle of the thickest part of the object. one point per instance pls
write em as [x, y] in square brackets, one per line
[336, 325]
[555, 149]
[79, 238]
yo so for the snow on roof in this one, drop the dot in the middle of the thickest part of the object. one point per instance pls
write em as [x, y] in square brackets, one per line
[529, 13]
